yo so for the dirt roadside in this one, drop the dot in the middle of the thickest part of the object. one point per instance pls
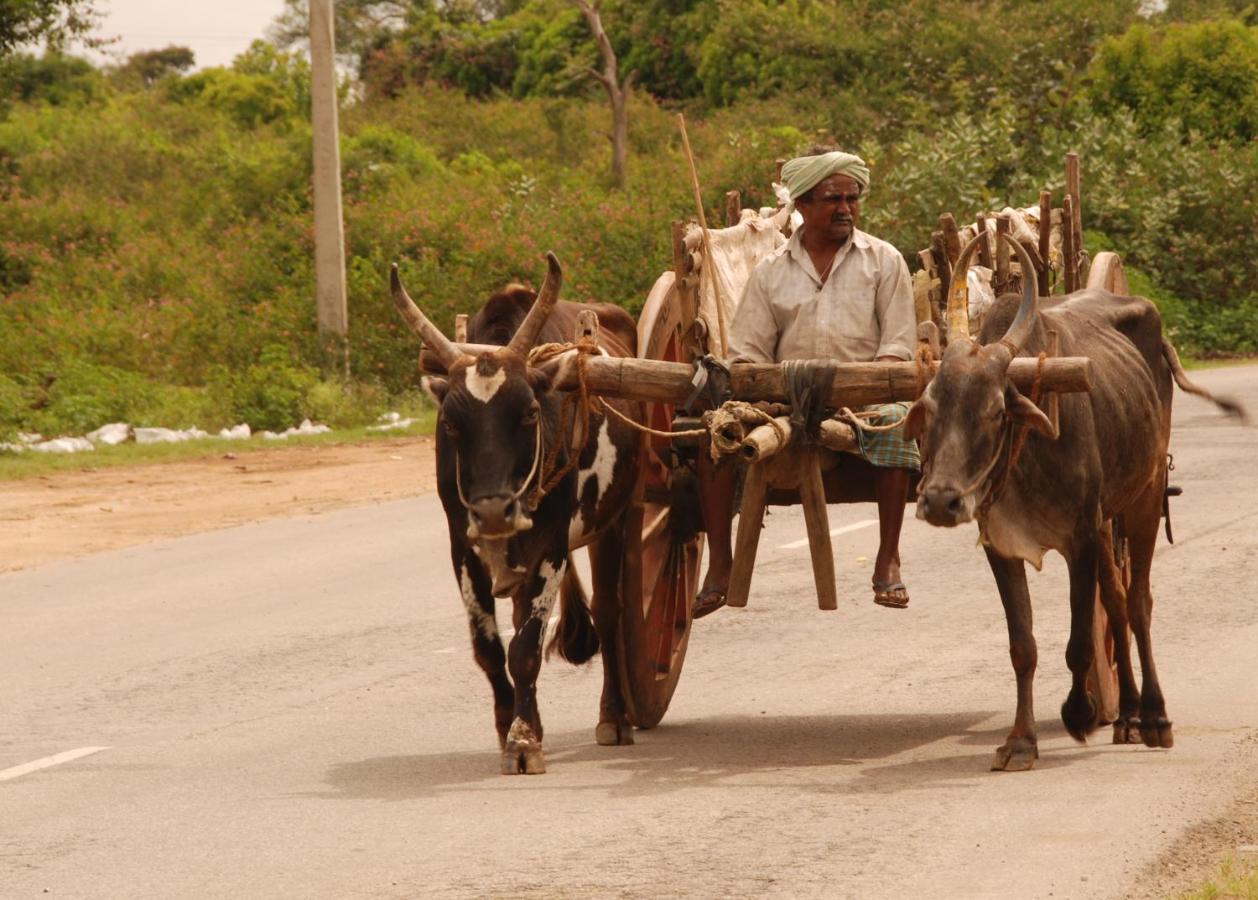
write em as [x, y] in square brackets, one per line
[76, 513]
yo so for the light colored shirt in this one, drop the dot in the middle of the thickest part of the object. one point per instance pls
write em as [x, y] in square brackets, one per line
[863, 310]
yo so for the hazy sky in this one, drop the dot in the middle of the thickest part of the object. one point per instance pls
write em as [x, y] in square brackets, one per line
[216, 30]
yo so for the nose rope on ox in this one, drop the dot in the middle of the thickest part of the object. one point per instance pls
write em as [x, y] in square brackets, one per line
[537, 455]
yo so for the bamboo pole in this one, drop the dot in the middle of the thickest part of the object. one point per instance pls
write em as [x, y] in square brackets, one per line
[707, 241]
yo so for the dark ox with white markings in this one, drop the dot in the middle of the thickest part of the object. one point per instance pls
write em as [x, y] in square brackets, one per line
[1103, 475]
[500, 433]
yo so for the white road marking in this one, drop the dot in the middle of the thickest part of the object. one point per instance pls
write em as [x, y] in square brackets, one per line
[54, 760]
[834, 532]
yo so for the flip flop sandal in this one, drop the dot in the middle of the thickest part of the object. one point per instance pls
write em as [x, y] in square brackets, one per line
[893, 594]
[707, 602]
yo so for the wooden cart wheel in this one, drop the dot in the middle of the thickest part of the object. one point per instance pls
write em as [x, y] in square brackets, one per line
[1107, 273]
[661, 572]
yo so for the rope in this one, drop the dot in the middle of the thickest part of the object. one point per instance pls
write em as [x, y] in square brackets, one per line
[1016, 444]
[578, 407]
[1020, 439]
[727, 426]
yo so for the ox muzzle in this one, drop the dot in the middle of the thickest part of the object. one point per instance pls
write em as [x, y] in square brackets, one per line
[945, 505]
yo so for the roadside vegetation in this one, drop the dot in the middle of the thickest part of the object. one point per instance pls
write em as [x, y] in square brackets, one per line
[1235, 880]
[156, 251]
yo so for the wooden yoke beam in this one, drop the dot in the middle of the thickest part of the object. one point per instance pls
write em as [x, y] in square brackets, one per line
[855, 384]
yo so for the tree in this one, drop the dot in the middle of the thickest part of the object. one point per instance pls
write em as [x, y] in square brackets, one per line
[151, 66]
[617, 90]
[25, 22]
[1204, 74]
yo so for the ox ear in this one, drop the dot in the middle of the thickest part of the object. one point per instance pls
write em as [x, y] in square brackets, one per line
[915, 419]
[435, 388]
[1024, 412]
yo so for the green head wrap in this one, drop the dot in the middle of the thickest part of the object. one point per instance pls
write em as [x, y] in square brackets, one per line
[802, 174]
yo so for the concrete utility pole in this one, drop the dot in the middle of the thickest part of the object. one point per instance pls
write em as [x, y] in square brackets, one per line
[329, 231]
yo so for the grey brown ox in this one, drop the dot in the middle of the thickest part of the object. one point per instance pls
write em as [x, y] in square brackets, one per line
[1103, 475]
[516, 509]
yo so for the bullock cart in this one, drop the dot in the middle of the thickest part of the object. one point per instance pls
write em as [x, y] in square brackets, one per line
[679, 390]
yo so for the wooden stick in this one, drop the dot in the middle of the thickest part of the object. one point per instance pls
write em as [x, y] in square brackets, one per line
[812, 496]
[460, 328]
[1046, 231]
[984, 246]
[750, 522]
[707, 241]
[733, 208]
[943, 266]
[952, 237]
[1076, 219]
[1068, 250]
[935, 297]
[587, 325]
[1072, 184]
[1000, 282]
[764, 441]
[855, 384]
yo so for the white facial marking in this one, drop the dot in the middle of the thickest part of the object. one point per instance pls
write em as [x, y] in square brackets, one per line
[482, 620]
[483, 387]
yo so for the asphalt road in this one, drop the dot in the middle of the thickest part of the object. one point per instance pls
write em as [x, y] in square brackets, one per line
[291, 709]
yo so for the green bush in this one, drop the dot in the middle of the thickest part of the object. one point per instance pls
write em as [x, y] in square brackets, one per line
[1204, 75]
[271, 393]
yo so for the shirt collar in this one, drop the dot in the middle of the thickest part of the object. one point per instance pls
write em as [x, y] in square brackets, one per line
[795, 246]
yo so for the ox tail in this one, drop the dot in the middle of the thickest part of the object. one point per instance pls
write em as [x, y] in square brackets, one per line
[1227, 404]
[575, 638]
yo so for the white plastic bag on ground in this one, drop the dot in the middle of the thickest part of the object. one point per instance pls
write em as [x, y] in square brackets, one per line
[111, 434]
[63, 445]
[239, 433]
[167, 435]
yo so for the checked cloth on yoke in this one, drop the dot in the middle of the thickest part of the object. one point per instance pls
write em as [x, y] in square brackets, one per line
[888, 449]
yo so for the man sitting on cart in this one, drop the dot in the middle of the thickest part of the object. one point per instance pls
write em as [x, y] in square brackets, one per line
[831, 292]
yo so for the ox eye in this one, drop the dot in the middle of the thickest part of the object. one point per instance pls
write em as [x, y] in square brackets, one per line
[448, 427]
[530, 416]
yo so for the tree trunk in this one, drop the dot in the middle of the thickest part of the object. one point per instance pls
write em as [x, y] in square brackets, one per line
[617, 91]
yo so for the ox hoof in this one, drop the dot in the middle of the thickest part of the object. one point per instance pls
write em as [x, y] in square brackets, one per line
[613, 734]
[1127, 730]
[1158, 734]
[522, 754]
[1079, 715]
[1015, 756]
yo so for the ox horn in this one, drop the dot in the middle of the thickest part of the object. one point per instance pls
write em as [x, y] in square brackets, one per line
[531, 327]
[1020, 329]
[957, 322]
[430, 334]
